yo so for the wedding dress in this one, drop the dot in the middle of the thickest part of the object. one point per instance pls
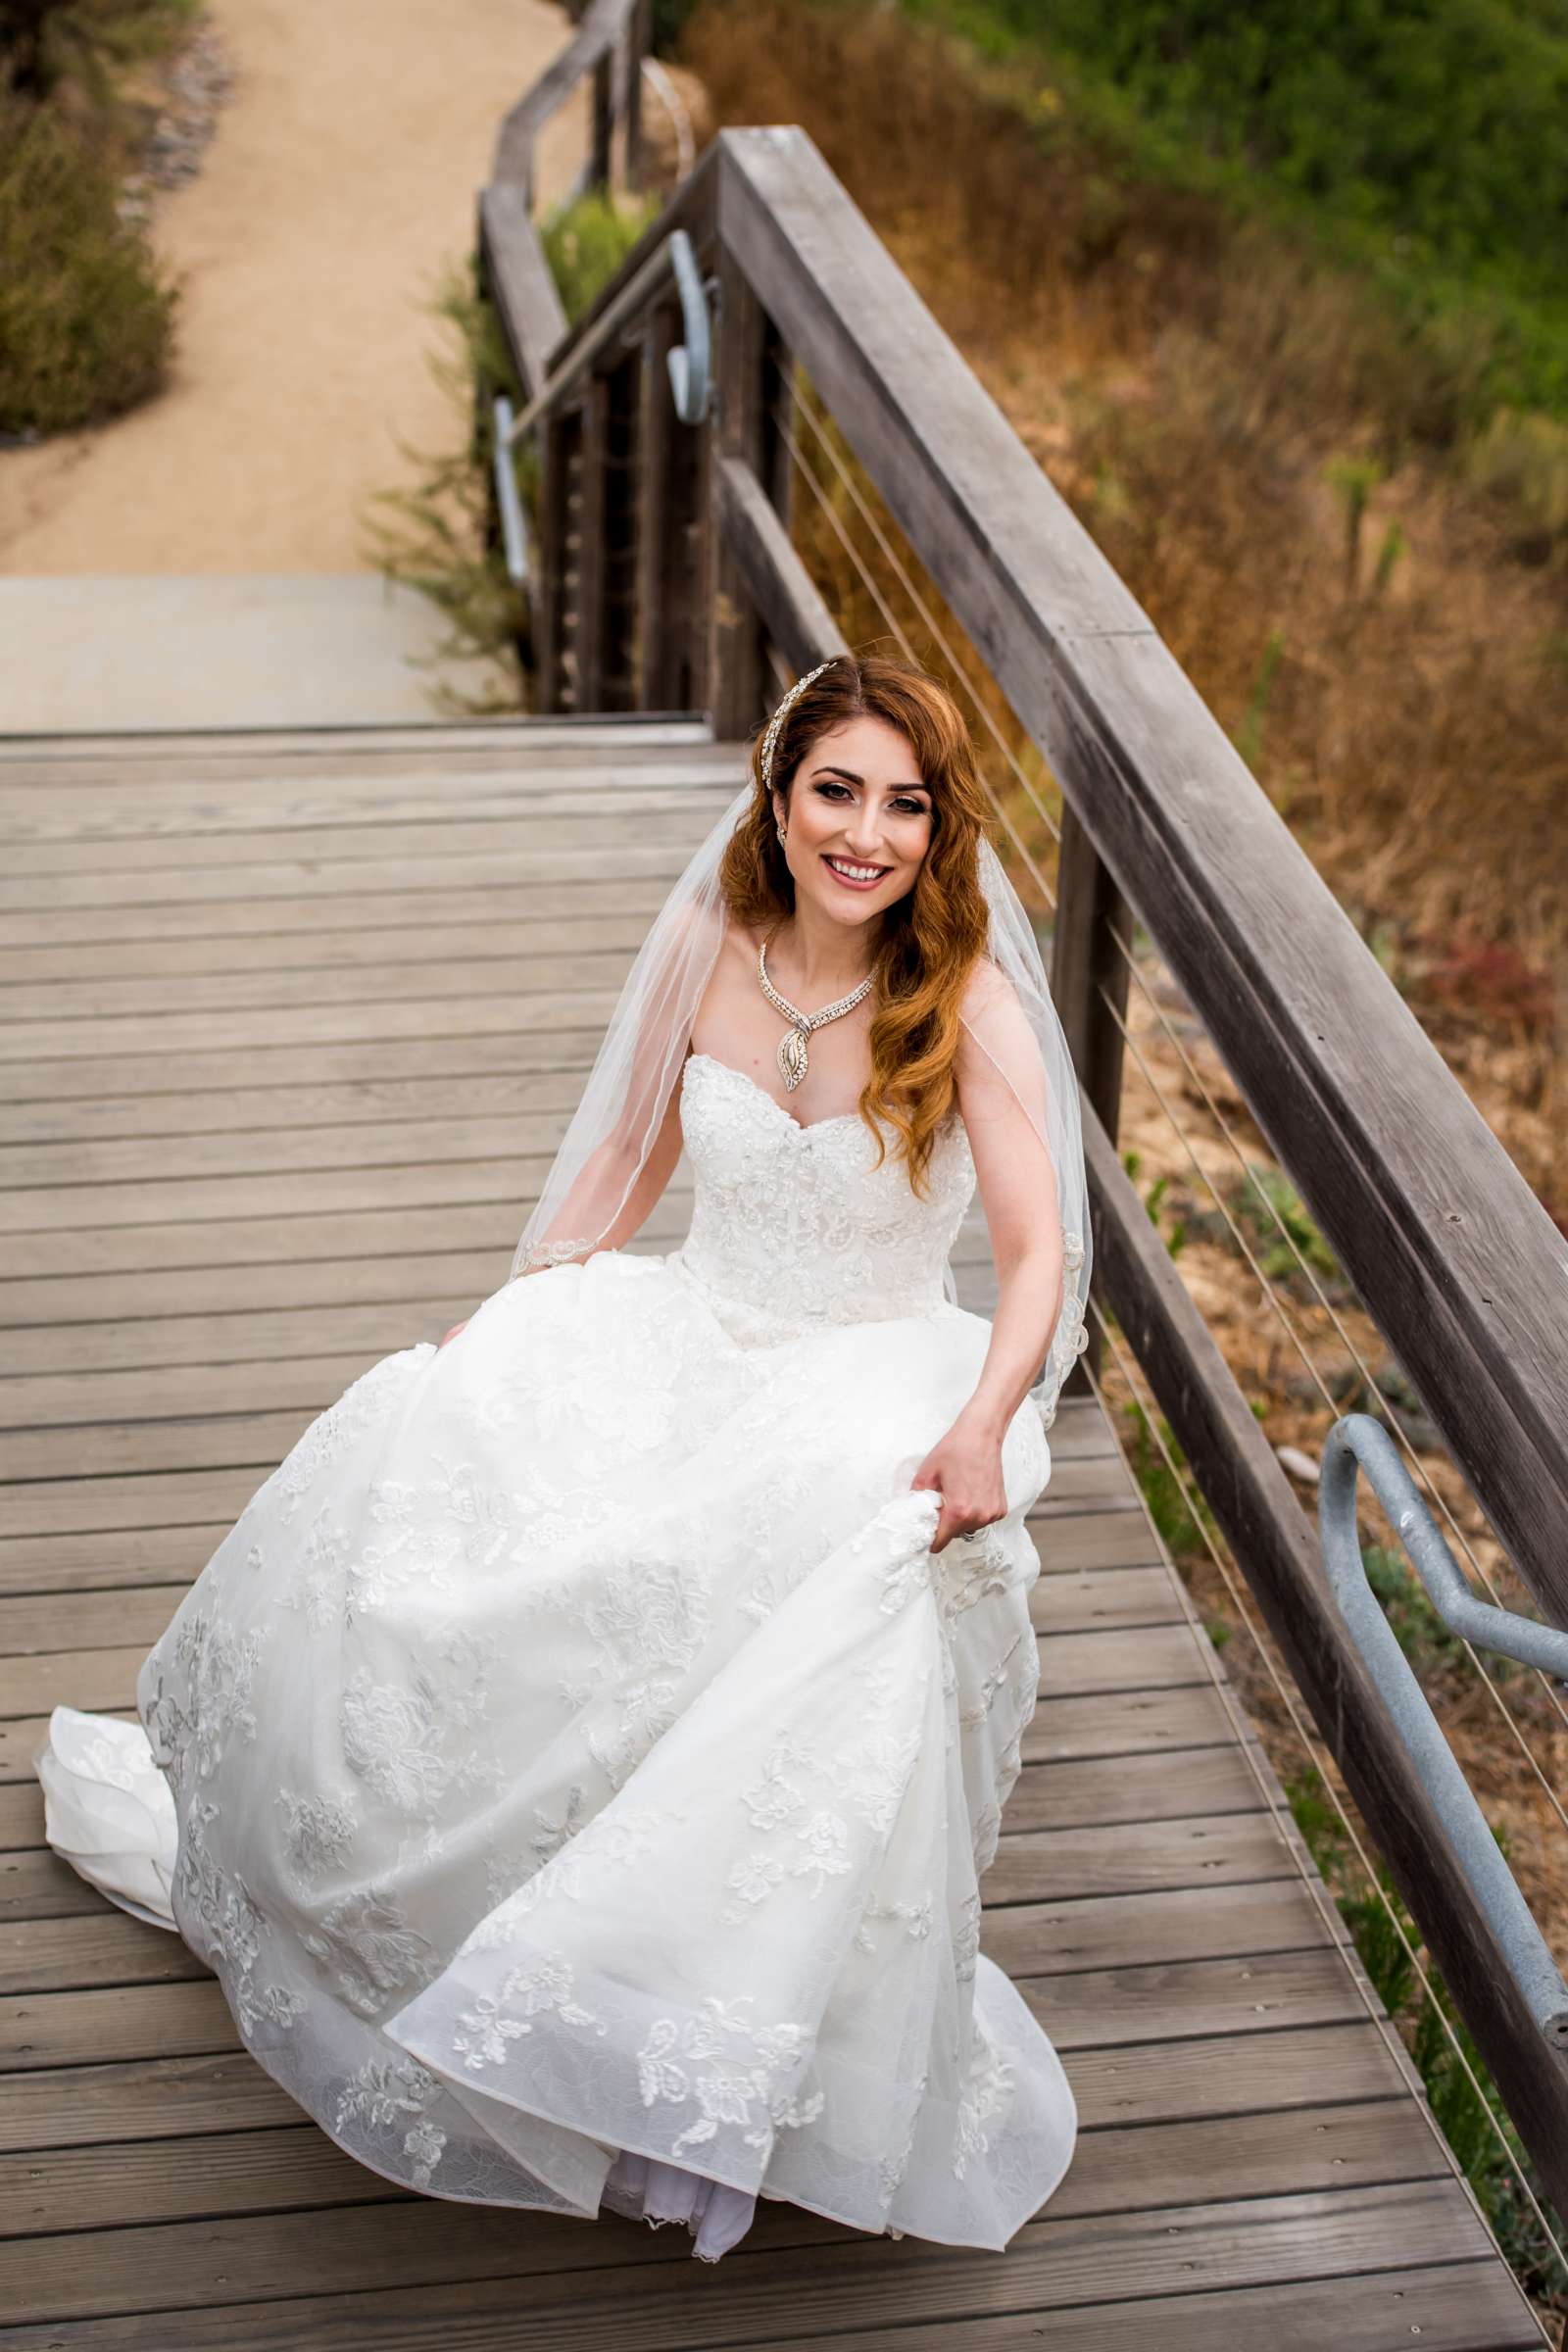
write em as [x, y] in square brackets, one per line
[575, 1764]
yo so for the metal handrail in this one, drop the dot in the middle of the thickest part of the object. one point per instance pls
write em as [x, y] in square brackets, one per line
[675, 253]
[691, 378]
[508, 500]
[690, 362]
[1357, 1441]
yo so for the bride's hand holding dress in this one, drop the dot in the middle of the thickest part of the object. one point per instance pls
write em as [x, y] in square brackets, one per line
[1022, 1218]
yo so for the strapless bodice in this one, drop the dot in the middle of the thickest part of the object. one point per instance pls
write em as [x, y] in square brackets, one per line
[793, 1228]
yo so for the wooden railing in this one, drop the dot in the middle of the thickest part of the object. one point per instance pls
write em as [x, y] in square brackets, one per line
[666, 569]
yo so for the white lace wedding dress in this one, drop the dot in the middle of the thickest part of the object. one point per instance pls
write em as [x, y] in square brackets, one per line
[576, 1766]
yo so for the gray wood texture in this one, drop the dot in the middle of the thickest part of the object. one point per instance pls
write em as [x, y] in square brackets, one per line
[602, 26]
[520, 282]
[776, 582]
[218, 1237]
[736, 660]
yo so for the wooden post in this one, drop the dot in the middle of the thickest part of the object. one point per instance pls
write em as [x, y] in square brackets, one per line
[1091, 916]
[559, 439]
[588, 596]
[604, 123]
[618, 653]
[484, 392]
[778, 467]
[639, 40]
[668, 530]
[737, 666]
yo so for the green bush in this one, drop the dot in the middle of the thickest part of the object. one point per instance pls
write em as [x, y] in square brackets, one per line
[1440, 121]
[1269, 1212]
[87, 317]
[435, 533]
[1177, 1506]
[1419, 140]
[48, 47]
[586, 241]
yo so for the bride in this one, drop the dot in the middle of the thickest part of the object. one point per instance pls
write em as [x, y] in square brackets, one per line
[578, 1761]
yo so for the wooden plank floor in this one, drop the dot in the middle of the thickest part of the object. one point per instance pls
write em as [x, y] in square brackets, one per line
[295, 1023]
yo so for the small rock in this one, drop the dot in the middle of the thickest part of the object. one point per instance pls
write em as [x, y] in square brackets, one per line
[197, 79]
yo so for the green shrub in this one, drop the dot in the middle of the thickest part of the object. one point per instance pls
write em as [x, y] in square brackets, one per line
[1267, 1208]
[87, 317]
[434, 534]
[1438, 122]
[1420, 141]
[1179, 1510]
[585, 243]
[48, 47]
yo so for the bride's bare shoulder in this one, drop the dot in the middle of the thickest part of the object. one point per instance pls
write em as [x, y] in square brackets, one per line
[987, 990]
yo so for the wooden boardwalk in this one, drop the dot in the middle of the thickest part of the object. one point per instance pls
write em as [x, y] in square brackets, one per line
[295, 1022]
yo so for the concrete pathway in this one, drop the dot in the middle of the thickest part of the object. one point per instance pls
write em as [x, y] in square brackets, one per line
[197, 557]
[122, 653]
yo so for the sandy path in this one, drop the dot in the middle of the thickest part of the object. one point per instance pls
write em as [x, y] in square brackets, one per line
[342, 172]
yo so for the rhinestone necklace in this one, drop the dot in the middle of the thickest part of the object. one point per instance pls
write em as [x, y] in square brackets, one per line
[791, 1059]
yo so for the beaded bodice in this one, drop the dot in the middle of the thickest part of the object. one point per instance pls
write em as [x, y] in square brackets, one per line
[795, 1227]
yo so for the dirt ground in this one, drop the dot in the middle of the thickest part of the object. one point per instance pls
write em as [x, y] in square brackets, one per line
[342, 174]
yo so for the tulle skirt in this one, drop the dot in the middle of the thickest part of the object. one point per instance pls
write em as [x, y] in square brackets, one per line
[577, 1769]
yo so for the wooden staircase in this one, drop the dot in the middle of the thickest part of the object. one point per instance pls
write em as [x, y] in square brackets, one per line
[295, 1023]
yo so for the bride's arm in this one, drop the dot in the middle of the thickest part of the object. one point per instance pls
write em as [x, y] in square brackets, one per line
[1017, 1188]
[612, 1165]
[606, 1172]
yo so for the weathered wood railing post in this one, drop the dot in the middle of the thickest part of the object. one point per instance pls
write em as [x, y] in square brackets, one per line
[638, 42]
[586, 540]
[604, 123]
[1088, 967]
[597, 605]
[670, 532]
[617, 582]
[746, 367]
[560, 467]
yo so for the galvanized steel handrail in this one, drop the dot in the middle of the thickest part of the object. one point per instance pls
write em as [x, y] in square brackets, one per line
[1355, 1443]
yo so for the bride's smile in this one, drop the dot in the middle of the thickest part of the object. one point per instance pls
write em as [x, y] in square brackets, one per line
[857, 823]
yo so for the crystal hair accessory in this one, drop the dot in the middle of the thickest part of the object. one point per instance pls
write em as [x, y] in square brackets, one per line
[791, 1059]
[770, 739]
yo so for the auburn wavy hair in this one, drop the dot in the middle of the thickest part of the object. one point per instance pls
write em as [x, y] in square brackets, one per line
[932, 937]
